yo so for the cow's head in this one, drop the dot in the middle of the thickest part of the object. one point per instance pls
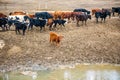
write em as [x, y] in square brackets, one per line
[59, 39]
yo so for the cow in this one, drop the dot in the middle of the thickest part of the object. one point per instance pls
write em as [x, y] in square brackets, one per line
[101, 14]
[10, 22]
[36, 22]
[20, 26]
[3, 23]
[81, 10]
[115, 10]
[73, 15]
[2, 15]
[95, 10]
[54, 37]
[58, 15]
[43, 15]
[53, 23]
[108, 11]
[18, 13]
[82, 17]
[59, 22]
[62, 15]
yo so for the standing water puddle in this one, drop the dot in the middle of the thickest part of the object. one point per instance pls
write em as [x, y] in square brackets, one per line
[78, 72]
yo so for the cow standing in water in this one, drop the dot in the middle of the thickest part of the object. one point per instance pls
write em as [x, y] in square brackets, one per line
[54, 37]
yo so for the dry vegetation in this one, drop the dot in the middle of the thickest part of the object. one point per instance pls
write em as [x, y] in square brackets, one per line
[93, 43]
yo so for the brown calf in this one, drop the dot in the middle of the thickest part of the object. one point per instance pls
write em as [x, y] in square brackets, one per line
[54, 37]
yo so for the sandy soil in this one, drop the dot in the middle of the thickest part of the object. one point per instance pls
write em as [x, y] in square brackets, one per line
[93, 43]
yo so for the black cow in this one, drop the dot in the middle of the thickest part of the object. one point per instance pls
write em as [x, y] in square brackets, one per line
[36, 22]
[82, 17]
[20, 26]
[56, 22]
[43, 15]
[3, 22]
[108, 11]
[39, 23]
[115, 10]
[10, 22]
[101, 14]
[59, 21]
[81, 10]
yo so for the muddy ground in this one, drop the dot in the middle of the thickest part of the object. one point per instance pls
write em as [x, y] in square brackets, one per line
[91, 43]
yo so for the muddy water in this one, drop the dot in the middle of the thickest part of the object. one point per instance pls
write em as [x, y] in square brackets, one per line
[78, 72]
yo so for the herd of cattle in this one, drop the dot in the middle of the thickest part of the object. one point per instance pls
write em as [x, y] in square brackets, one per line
[23, 21]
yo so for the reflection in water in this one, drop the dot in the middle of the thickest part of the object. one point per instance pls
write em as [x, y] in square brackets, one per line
[102, 75]
[81, 72]
[90, 75]
[67, 75]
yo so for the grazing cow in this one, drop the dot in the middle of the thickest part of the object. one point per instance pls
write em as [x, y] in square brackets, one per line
[20, 26]
[95, 10]
[115, 10]
[82, 17]
[55, 38]
[81, 10]
[101, 14]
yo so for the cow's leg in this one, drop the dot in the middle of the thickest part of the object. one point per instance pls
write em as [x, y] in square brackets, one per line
[77, 23]
[9, 26]
[109, 15]
[19, 31]
[82, 23]
[6, 27]
[104, 20]
[96, 20]
[113, 13]
[101, 20]
[50, 27]
[55, 25]
[23, 32]
[44, 28]
[3, 28]
[29, 27]
[63, 25]
[40, 28]
[85, 22]
[16, 29]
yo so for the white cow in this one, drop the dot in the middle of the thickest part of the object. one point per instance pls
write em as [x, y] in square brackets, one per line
[17, 17]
